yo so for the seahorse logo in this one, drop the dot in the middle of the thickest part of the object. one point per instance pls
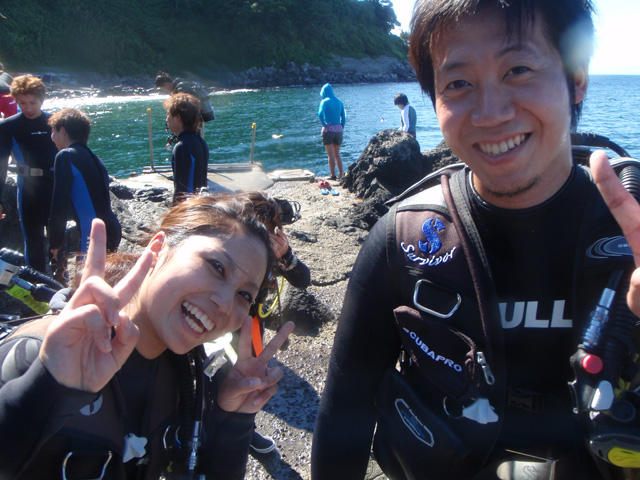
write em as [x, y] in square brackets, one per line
[429, 229]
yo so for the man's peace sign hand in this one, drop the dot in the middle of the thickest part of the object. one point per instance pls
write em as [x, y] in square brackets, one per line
[92, 338]
[626, 211]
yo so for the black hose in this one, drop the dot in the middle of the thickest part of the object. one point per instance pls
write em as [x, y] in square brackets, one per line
[630, 178]
[590, 139]
[34, 276]
[618, 346]
[186, 408]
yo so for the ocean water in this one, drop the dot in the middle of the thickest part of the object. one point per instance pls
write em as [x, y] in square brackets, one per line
[288, 129]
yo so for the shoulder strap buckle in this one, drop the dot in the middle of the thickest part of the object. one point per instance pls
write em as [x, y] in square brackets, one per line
[417, 299]
[109, 456]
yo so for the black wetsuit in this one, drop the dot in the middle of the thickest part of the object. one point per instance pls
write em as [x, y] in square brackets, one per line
[42, 421]
[81, 188]
[531, 253]
[189, 161]
[30, 143]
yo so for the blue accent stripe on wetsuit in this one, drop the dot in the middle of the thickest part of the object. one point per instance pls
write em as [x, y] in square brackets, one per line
[83, 205]
[192, 174]
[192, 168]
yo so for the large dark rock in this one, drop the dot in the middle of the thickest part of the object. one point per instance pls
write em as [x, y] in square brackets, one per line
[390, 164]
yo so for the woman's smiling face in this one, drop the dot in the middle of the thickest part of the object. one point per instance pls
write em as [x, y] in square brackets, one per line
[198, 291]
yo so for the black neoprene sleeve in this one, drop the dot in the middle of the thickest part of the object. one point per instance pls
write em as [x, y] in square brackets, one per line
[366, 344]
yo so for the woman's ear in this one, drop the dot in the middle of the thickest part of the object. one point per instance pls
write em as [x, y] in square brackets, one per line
[157, 245]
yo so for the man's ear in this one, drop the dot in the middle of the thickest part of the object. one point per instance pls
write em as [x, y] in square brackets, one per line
[158, 246]
[581, 81]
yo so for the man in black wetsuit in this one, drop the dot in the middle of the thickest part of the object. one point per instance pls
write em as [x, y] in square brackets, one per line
[81, 184]
[190, 158]
[165, 82]
[27, 137]
[507, 81]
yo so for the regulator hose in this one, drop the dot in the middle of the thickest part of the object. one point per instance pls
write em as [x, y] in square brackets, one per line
[590, 139]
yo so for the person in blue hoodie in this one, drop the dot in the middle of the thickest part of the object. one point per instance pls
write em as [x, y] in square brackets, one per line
[332, 117]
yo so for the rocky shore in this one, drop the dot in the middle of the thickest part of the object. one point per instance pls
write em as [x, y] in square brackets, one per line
[327, 238]
[344, 71]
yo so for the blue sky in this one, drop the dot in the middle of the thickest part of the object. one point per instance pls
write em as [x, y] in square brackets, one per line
[617, 36]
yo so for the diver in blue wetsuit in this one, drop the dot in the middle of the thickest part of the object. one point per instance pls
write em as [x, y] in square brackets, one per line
[81, 184]
[190, 157]
[27, 137]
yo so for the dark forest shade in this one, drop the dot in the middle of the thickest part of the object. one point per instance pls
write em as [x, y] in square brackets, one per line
[199, 36]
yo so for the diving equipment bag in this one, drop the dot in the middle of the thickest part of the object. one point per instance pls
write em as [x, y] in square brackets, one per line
[439, 417]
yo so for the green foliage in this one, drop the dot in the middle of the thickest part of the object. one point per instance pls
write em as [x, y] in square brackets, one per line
[142, 36]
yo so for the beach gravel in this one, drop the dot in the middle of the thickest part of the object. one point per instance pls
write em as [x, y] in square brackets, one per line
[326, 239]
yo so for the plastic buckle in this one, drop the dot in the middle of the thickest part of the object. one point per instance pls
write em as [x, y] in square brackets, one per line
[104, 466]
[429, 310]
[23, 170]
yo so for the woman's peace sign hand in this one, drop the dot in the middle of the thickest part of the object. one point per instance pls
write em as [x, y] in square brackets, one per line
[251, 383]
[79, 349]
[626, 211]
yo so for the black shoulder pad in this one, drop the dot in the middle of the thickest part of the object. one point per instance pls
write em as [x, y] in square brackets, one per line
[427, 182]
[16, 356]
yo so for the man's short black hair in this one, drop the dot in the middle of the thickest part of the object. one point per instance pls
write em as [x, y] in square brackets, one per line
[400, 99]
[567, 24]
[162, 78]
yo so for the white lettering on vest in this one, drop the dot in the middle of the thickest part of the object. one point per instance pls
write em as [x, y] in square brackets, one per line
[528, 311]
[409, 251]
[437, 358]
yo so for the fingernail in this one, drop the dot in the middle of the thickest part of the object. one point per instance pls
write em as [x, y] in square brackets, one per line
[115, 318]
[254, 382]
[107, 345]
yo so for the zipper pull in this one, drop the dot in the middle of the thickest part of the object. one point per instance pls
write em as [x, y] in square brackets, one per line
[486, 369]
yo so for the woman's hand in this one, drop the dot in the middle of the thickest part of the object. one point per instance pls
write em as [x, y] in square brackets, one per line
[251, 383]
[79, 349]
[279, 242]
[626, 211]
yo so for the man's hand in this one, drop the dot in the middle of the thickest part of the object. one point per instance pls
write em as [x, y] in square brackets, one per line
[279, 242]
[626, 211]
